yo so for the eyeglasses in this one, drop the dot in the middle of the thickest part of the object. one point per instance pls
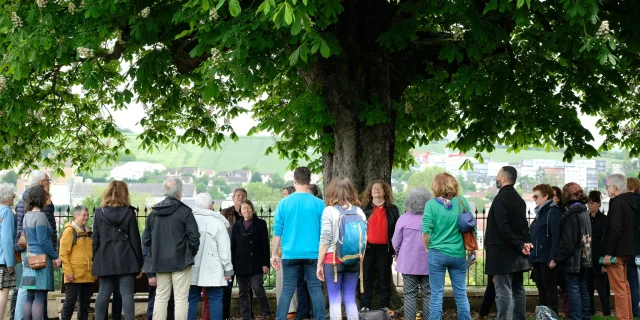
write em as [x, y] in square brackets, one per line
[48, 180]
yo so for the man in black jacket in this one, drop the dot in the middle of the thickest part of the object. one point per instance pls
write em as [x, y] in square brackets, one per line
[619, 240]
[508, 245]
[173, 239]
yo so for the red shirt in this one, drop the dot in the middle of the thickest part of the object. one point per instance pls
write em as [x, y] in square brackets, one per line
[378, 230]
[328, 258]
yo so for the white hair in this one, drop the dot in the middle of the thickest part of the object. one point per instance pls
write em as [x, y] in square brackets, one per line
[36, 177]
[6, 192]
[203, 200]
[619, 181]
[172, 187]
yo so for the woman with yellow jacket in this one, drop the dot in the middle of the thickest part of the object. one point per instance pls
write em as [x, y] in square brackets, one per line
[76, 254]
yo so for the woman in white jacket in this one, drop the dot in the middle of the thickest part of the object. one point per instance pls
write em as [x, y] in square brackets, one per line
[212, 268]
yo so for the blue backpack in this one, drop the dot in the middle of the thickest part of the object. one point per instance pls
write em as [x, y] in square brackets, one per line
[352, 239]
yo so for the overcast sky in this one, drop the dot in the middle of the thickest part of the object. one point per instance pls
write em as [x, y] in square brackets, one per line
[131, 117]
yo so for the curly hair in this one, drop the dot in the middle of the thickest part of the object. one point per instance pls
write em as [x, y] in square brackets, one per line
[367, 199]
[341, 192]
[116, 195]
[573, 192]
[417, 198]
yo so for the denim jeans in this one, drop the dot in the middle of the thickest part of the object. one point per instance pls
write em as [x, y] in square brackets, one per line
[214, 296]
[291, 272]
[342, 284]
[303, 298]
[632, 277]
[510, 296]
[439, 263]
[578, 295]
[22, 297]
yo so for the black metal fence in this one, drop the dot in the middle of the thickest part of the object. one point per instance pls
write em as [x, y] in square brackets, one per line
[475, 276]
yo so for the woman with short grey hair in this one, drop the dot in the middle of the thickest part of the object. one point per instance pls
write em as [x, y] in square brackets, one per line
[7, 233]
[411, 257]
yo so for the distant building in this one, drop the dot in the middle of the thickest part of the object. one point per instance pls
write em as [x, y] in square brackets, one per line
[134, 170]
[554, 176]
[194, 171]
[266, 177]
[173, 173]
[223, 174]
[209, 173]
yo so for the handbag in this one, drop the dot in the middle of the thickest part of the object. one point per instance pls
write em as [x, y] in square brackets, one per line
[468, 235]
[377, 314]
[466, 221]
[38, 261]
[22, 243]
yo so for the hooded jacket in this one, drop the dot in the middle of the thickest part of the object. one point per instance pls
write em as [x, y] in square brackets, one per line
[619, 237]
[76, 259]
[172, 236]
[213, 261]
[116, 242]
[575, 229]
[48, 212]
[545, 233]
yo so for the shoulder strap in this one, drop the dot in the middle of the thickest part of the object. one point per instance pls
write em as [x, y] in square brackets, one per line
[461, 206]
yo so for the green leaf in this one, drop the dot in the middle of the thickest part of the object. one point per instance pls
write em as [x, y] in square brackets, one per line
[219, 5]
[612, 59]
[324, 49]
[206, 5]
[264, 7]
[612, 44]
[288, 13]
[234, 8]
[293, 58]
[492, 5]
[520, 3]
[296, 27]
[305, 2]
[184, 33]
[210, 91]
[315, 47]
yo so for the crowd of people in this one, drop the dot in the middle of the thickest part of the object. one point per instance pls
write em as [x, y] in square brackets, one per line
[346, 240]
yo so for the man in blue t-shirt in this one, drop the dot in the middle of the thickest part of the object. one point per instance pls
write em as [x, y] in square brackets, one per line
[297, 224]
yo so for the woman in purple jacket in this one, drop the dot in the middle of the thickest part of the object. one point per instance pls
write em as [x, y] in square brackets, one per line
[410, 254]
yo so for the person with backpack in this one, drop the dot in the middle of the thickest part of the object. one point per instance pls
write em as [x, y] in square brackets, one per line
[443, 240]
[343, 239]
[573, 254]
[411, 257]
[77, 259]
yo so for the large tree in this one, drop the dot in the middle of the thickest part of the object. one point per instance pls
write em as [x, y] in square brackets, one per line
[360, 82]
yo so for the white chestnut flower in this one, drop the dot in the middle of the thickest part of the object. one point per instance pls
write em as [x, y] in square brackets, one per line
[215, 55]
[3, 83]
[603, 30]
[6, 148]
[20, 141]
[108, 142]
[145, 12]
[408, 108]
[82, 4]
[16, 20]
[458, 33]
[41, 3]
[50, 156]
[85, 52]
[213, 14]
[72, 8]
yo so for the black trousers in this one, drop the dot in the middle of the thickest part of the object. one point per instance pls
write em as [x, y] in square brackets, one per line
[547, 283]
[77, 292]
[377, 259]
[14, 300]
[489, 298]
[598, 281]
[245, 284]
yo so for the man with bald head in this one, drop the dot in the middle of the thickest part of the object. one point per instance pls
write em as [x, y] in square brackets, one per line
[173, 239]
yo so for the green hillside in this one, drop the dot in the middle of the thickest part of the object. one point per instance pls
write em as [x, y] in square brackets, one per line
[249, 151]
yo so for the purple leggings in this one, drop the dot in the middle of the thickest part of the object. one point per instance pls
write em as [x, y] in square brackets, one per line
[347, 283]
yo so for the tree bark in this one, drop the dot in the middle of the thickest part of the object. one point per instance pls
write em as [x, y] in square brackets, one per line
[354, 83]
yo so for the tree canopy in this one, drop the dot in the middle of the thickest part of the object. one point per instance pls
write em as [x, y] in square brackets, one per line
[361, 82]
